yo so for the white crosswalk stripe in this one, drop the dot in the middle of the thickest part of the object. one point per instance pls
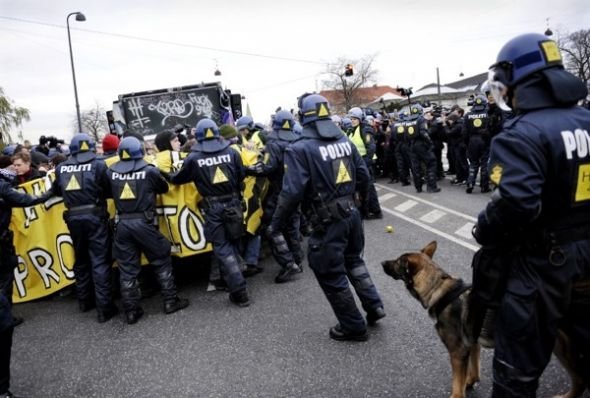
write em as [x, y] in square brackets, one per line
[433, 216]
[465, 231]
[407, 205]
[387, 196]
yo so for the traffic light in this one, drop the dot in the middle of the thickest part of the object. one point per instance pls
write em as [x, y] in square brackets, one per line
[348, 70]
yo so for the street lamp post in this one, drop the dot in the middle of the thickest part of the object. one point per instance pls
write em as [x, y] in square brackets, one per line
[79, 17]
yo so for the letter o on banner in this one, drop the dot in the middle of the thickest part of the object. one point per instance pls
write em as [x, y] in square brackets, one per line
[65, 254]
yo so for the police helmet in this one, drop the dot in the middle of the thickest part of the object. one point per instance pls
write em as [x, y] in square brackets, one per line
[526, 55]
[416, 111]
[346, 123]
[313, 108]
[245, 122]
[283, 120]
[208, 138]
[479, 102]
[8, 150]
[131, 153]
[206, 129]
[130, 148]
[82, 147]
[356, 113]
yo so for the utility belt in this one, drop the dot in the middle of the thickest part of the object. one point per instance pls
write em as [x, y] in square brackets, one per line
[324, 214]
[149, 216]
[208, 201]
[552, 240]
[83, 210]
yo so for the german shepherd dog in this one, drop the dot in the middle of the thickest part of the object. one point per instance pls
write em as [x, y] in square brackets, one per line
[446, 299]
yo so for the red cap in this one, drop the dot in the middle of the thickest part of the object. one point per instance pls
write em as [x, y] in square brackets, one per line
[110, 143]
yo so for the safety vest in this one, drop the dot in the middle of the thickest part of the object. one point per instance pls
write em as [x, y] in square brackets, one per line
[357, 139]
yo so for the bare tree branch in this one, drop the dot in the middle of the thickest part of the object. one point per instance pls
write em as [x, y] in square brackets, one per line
[94, 122]
[576, 50]
[364, 74]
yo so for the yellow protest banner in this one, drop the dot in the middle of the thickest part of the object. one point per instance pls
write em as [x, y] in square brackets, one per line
[45, 250]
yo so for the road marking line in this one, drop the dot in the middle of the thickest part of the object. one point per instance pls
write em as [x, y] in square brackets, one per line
[387, 196]
[465, 231]
[446, 209]
[407, 205]
[377, 188]
[433, 216]
[431, 229]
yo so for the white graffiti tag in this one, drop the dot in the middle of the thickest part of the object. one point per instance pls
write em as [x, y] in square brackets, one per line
[136, 109]
[177, 108]
[202, 104]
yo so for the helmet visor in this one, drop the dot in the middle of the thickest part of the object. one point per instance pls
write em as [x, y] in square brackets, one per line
[497, 89]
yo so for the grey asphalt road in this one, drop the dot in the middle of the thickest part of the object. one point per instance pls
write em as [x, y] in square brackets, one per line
[277, 347]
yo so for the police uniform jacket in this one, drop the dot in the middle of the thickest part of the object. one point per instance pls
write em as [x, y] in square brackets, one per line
[135, 192]
[11, 198]
[81, 183]
[215, 174]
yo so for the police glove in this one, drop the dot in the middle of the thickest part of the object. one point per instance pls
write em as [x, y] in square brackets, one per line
[165, 175]
[483, 236]
[257, 168]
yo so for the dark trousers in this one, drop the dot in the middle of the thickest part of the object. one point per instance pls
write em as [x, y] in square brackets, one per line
[437, 150]
[539, 299]
[8, 262]
[225, 248]
[404, 162]
[422, 154]
[478, 152]
[92, 267]
[335, 257]
[390, 165]
[132, 237]
[370, 203]
[460, 159]
[451, 158]
[5, 350]
[286, 244]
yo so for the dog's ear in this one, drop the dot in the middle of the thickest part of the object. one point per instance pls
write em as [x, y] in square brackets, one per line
[429, 249]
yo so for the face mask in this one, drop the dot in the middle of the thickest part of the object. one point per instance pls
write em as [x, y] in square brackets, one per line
[498, 90]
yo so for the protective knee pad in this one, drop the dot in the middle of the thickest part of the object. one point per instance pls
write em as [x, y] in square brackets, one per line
[510, 382]
[360, 277]
[279, 243]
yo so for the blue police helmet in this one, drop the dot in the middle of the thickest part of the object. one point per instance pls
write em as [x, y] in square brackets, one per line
[416, 111]
[208, 138]
[206, 130]
[356, 113]
[346, 123]
[313, 107]
[82, 147]
[525, 55]
[283, 120]
[245, 122]
[8, 150]
[479, 102]
[130, 148]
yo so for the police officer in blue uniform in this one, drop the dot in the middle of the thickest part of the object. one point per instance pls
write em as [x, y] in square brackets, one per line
[217, 170]
[134, 185]
[6, 330]
[476, 125]
[82, 182]
[540, 163]
[285, 244]
[323, 172]
[10, 198]
[421, 150]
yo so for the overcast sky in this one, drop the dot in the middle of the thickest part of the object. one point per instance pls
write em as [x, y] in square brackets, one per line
[411, 37]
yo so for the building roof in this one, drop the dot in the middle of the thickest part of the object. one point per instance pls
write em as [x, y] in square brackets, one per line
[363, 95]
[471, 83]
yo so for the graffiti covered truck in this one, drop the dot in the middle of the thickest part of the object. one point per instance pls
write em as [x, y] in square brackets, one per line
[150, 112]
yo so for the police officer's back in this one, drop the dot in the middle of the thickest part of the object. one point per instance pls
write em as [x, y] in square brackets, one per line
[82, 182]
[540, 212]
[477, 131]
[323, 171]
[217, 171]
[134, 185]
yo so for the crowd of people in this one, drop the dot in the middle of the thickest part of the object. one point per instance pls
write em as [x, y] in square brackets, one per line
[320, 170]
